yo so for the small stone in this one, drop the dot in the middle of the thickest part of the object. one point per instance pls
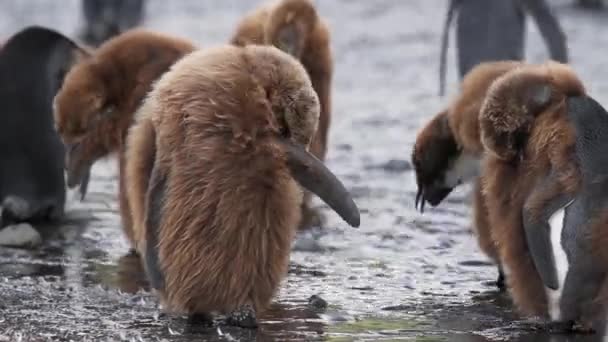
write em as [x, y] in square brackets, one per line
[244, 317]
[317, 303]
[20, 235]
[362, 288]
[397, 308]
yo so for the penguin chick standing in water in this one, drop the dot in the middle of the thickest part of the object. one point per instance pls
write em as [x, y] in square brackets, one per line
[227, 132]
[295, 27]
[448, 151]
[535, 125]
[96, 105]
[566, 208]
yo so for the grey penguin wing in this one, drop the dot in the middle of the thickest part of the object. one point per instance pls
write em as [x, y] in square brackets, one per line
[153, 213]
[538, 231]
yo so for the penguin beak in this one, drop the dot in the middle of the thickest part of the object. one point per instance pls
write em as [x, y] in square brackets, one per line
[420, 201]
[312, 174]
[84, 183]
[76, 174]
[431, 194]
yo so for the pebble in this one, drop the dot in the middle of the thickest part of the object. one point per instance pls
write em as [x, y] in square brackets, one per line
[20, 235]
[317, 303]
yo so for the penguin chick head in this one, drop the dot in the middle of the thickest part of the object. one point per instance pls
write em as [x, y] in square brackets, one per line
[295, 107]
[288, 89]
[80, 102]
[289, 24]
[515, 99]
[437, 161]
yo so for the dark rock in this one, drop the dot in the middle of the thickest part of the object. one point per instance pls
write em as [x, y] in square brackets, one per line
[317, 303]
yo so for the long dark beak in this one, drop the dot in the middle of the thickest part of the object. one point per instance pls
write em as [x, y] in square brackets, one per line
[84, 183]
[77, 174]
[420, 200]
[315, 177]
[431, 194]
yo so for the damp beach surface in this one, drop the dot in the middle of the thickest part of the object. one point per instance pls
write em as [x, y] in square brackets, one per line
[402, 276]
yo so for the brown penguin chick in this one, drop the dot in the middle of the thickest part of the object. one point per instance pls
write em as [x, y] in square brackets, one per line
[448, 151]
[226, 131]
[559, 136]
[295, 27]
[525, 132]
[97, 102]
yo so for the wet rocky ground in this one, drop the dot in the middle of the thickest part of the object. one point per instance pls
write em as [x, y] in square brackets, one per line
[401, 276]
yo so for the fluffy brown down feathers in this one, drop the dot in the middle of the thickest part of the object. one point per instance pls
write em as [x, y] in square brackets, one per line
[461, 117]
[524, 127]
[98, 99]
[229, 204]
[295, 27]
[455, 131]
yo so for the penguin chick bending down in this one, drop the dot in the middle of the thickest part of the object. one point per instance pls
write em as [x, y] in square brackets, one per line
[295, 27]
[559, 136]
[33, 64]
[226, 132]
[96, 105]
[544, 169]
[448, 151]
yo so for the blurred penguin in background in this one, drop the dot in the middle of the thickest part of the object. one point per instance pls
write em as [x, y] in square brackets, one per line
[590, 4]
[107, 18]
[494, 30]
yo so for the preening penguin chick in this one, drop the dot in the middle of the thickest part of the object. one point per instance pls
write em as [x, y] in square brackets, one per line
[530, 162]
[33, 64]
[295, 27]
[227, 131]
[96, 105]
[448, 149]
[559, 135]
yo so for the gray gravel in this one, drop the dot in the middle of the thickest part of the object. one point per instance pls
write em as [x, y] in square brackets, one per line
[402, 276]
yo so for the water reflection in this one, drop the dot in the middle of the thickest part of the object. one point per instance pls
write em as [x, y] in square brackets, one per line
[73, 268]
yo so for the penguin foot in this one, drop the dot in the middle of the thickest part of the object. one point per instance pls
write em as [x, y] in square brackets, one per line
[560, 327]
[132, 252]
[582, 328]
[200, 319]
[243, 317]
[570, 327]
[500, 281]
